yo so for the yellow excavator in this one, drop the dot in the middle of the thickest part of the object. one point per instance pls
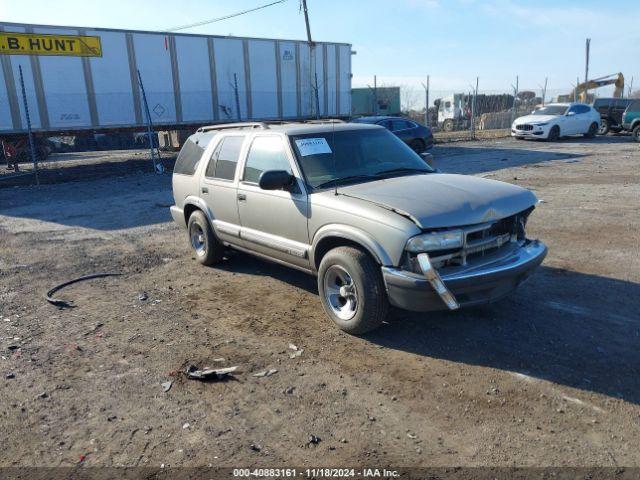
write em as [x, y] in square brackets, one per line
[581, 91]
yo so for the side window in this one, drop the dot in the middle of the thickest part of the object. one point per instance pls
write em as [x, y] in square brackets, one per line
[386, 124]
[227, 158]
[188, 158]
[398, 125]
[265, 153]
[582, 109]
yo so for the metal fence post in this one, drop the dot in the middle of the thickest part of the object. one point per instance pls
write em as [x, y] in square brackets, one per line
[515, 99]
[473, 110]
[28, 118]
[237, 95]
[157, 166]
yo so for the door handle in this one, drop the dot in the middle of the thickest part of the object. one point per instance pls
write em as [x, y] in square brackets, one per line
[242, 197]
[205, 190]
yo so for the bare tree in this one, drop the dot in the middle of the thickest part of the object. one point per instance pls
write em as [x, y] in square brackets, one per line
[409, 98]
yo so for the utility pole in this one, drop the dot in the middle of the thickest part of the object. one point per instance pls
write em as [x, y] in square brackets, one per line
[515, 98]
[630, 88]
[426, 102]
[586, 64]
[313, 75]
[575, 92]
[544, 91]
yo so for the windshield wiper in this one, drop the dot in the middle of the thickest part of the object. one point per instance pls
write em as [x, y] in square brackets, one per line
[402, 170]
[345, 179]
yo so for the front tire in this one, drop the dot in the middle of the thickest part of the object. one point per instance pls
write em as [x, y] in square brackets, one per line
[205, 244]
[604, 127]
[352, 291]
[554, 133]
[636, 133]
[593, 129]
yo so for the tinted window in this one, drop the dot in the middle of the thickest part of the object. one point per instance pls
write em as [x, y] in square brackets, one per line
[188, 158]
[622, 103]
[580, 109]
[399, 125]
[227, 158]
[386, 124]
[266, 153]
[600, 103]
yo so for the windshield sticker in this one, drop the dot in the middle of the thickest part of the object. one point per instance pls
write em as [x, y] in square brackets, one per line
[313, 146]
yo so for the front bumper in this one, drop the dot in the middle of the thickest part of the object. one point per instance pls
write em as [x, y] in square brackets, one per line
[475, 286]
[535, 133]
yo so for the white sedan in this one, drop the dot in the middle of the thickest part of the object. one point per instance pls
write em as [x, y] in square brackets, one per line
[557, 120]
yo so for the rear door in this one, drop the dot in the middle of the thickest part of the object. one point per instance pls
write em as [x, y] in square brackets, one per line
[402, 129]
[619, 106]
[273, 222]
[218, 188]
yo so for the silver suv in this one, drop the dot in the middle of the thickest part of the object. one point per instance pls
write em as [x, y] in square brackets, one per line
[353, 205]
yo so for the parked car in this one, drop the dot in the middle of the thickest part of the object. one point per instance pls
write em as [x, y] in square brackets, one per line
[631, 119]
[557, 120]
[353, 205]
[611, 110]
[417, 136]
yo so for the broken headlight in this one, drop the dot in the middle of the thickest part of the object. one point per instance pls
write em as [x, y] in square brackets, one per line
[435, 241]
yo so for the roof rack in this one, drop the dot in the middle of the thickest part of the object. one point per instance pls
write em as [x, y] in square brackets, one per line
[226, 126]
[324, 120]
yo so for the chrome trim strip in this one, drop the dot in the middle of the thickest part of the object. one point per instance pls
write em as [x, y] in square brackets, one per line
[280, 244]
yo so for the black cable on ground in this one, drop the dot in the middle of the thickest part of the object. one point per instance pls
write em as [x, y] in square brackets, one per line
[64, 303]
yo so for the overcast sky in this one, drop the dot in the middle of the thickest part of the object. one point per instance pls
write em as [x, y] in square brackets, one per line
[402, 40]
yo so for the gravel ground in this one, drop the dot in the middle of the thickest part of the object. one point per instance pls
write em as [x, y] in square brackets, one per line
[547, 377]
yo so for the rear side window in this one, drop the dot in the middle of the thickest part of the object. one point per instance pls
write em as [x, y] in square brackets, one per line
[224, 160]
[600, 103]
[188, 158]
[397, 125]
[266, 153]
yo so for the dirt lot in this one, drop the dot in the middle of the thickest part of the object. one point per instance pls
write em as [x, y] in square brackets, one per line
[548, 376]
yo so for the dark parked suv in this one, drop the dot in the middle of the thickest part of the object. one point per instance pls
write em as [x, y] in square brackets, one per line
[417, 136]
[611, 110]
[631, 119]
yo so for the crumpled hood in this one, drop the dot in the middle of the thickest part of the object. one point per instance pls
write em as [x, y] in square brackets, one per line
[445, 200]
[535, 119]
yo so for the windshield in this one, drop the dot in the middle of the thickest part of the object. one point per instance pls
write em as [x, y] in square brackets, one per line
[551, 110]
[354, 156]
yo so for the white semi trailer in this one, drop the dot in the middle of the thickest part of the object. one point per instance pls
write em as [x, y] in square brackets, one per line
[85, 79]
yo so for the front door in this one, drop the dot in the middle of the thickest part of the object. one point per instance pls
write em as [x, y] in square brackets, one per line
[273, 222]
[219, 188]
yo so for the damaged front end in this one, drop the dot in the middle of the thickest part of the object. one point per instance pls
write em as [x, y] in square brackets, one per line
[469, 265]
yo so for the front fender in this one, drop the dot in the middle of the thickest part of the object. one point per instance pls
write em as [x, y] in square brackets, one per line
[353, 234]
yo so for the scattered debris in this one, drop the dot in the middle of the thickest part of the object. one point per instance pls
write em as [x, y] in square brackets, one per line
[206, 374]
[13, 347]
[166, 386]
[343, 440]
[266, 373]
[186, 425]
[296, 351]
[142, 296]
[64, 303]
[412, 436]
[42, 395]
[255, 447]
[314, 440]
[10, 376]
[289, 391]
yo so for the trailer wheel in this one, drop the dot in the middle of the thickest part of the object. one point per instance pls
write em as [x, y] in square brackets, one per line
[636, 133]
[447, 126]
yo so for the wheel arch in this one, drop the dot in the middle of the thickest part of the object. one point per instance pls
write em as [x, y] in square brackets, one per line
[330, 237]
[191, 204]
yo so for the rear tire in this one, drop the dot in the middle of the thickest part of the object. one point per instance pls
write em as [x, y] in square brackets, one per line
[554, 133]
[205, 244]
[593, 129]
[418, 146]
[636, 133]
[352, 291]
[604, 127]
[447, 126]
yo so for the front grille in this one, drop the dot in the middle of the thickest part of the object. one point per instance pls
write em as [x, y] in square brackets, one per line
[484, 239]
[524, 127]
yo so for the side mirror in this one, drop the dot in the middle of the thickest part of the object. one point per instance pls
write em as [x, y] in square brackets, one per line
[275, 179]
[570, 114]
